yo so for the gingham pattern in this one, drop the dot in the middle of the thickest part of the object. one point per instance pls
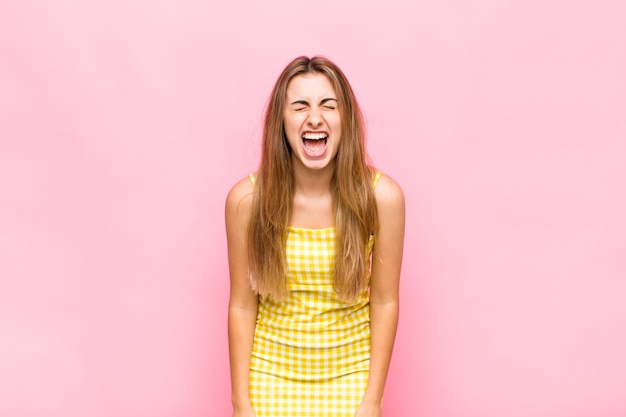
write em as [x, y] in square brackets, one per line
[311, 352]
[273, 396]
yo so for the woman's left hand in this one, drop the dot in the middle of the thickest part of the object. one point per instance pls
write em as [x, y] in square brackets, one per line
[369, 410]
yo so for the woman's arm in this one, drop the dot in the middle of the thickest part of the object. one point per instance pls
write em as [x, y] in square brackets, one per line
[242, 308]
[384, 286]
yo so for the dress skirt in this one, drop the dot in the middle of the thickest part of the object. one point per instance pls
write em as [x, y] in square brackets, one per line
[274, 396]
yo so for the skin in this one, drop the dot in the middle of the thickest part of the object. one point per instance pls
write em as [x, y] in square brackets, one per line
[311, 106]
[243, 303]
[384, 291]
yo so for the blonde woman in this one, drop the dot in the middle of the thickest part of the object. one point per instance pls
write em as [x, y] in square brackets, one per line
[315, 241]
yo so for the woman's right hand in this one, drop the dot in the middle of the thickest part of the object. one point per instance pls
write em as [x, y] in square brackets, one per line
[248, 412]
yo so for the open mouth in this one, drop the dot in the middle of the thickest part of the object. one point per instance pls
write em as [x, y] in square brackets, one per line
[315, 143]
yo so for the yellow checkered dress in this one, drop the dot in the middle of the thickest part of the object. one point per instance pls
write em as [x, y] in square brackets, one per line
[311, 352]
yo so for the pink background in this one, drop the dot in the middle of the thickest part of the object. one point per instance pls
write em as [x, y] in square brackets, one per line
[123, 124]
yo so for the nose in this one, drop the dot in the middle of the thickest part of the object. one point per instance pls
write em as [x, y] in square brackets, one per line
[315, 117]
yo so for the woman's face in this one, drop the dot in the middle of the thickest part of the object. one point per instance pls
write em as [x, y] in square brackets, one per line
[312, 121]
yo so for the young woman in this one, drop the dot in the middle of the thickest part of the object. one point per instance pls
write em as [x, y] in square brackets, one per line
[315, 242]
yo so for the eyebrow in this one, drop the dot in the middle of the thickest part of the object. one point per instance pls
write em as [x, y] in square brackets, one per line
[306, 103]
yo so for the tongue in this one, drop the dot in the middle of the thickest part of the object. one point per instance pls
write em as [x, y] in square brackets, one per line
[315, 147]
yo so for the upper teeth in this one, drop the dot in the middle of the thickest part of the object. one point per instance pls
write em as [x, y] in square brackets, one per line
[314, 136]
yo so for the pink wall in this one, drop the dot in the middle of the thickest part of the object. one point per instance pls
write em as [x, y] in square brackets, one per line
[123, 124]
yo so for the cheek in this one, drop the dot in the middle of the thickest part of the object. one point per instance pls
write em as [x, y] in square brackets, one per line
[291, 128]
[337, 125]
[292, 122]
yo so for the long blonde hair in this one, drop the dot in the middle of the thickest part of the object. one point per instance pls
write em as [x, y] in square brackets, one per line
[354, 205]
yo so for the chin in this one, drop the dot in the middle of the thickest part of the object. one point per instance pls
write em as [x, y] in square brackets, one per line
[319, 164]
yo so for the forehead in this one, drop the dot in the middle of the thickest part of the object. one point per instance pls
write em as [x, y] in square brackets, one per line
[310, 86]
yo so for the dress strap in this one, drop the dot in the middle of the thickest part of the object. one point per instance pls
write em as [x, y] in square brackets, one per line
[252, 179]
[377, 177]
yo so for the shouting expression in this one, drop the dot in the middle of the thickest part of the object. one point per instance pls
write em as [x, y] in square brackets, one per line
[312, 121]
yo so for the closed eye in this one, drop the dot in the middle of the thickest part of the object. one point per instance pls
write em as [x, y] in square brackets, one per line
[329, 103]
[300, 105]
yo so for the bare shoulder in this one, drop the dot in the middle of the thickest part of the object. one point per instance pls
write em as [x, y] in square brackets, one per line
[239, 199]
[389, 196]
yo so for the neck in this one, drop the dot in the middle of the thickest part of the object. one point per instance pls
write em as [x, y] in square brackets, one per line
[313, 182]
